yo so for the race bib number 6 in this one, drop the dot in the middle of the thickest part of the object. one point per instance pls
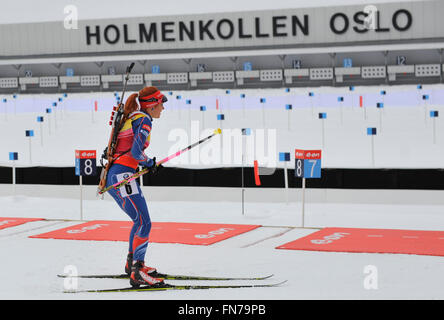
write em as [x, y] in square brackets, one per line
[128, 189]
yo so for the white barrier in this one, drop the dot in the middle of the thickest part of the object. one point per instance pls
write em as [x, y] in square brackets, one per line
[212, 194]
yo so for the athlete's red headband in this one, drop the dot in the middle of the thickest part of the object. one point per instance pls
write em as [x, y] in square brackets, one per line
[152, 100]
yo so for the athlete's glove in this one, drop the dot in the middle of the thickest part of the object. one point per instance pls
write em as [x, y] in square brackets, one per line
[154, 168]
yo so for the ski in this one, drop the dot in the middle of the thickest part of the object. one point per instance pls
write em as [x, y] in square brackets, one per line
[166, 287]
[163, 276]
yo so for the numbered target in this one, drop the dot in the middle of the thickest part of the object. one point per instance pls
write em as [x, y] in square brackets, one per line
[299, 169]
[86, 163]
[307, 164]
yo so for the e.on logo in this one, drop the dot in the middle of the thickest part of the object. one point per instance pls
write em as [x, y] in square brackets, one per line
[84, 229]
[88, 154]
[213, 233]
[330, 238]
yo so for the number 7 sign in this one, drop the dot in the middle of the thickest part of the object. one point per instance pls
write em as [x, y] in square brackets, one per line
[307, 164]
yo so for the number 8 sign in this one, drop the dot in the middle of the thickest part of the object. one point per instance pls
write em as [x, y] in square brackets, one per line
[308, 164]
[86, 162]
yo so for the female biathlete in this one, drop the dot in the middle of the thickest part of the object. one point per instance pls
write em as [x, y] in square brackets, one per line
[132, 140]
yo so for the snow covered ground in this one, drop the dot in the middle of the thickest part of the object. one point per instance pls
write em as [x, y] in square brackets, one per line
[310, 275]
[406, 141]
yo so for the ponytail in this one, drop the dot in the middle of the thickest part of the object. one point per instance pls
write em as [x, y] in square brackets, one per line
[131, 104]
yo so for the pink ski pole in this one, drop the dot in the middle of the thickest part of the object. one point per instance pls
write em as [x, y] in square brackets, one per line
[142, 172]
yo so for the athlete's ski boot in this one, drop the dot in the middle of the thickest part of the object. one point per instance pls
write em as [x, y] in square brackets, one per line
[129, 264]
[143, 275]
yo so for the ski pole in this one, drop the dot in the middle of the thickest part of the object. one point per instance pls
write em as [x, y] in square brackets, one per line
[146, 170]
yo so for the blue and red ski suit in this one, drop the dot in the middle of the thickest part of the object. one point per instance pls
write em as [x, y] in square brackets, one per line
[132, 140]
